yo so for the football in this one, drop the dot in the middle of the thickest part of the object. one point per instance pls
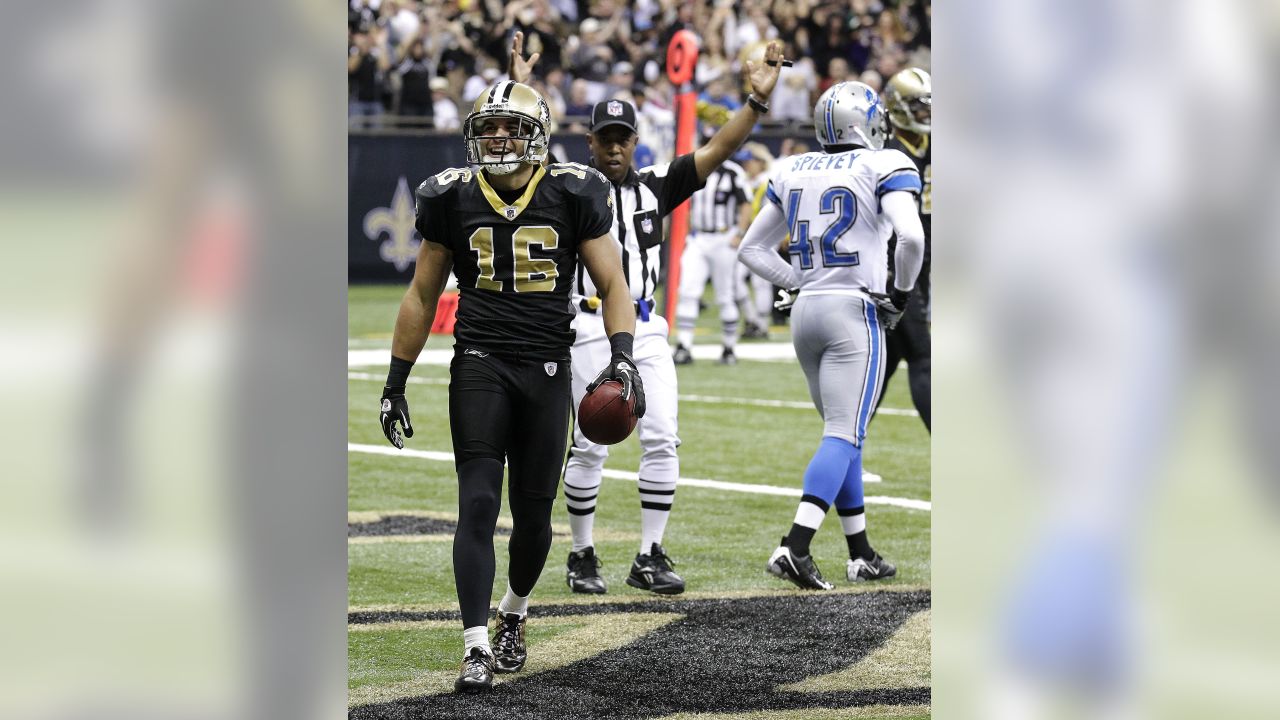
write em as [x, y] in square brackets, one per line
[603, 415]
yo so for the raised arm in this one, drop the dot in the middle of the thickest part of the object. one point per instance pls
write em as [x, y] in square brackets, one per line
[763, 77]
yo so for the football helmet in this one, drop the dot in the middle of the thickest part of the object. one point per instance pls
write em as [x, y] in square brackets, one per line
[850, 113]
[909, 97]
[504, 100]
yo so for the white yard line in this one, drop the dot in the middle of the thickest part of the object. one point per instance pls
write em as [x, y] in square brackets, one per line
[621, 475]
[711, 399]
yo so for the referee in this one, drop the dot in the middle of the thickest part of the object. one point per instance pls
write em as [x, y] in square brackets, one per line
[641, 201]
[719, 214]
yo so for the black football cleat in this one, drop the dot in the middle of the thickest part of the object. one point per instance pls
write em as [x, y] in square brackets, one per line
[877, 568]
[477, 672]
[799, 569]
[682, 356]
[728, 357]
[652, 571]
[508, 643]
[753, 331]
[584, 572]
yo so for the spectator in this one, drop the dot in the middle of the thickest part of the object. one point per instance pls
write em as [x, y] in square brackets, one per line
[837, 72]
[871, 79]
[444, 110]
[796, 92]
[579, 104]
[621, 79]
[415, 82]
[366, 65]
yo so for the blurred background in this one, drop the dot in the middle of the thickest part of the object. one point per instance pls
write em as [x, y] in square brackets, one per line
[174, 274]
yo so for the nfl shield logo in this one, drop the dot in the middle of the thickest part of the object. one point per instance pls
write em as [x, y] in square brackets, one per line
[614, 108]
[511, 213]
[550, 368]
[647, 225]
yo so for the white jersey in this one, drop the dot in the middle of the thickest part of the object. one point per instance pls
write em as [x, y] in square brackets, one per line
[839, 237]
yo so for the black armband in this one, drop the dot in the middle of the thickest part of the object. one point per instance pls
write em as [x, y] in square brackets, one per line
[398, 375]
[622, 342]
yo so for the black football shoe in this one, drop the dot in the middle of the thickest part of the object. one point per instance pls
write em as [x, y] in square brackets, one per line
[584, 572]
[508, 643]
[682, 356]
[728, 357]
[477, 672]
[652, 571]
[799, 569]
[753, 331]
[876, 568]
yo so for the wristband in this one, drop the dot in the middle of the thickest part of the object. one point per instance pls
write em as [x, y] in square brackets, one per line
[398, 375]
[621, 342]
[757, 105]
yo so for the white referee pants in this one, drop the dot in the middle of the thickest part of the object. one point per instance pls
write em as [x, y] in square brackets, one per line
[708, 256]
[659, 466]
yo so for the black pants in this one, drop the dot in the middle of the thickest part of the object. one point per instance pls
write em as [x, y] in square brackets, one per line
[511, 410]
[910, 341]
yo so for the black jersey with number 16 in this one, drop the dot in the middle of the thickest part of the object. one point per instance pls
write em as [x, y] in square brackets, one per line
[515, 257]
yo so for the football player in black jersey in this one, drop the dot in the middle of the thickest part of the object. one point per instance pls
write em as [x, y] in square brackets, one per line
[512, 230]
[908, 97]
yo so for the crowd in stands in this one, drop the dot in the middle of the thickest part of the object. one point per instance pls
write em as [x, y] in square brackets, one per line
[425, 61]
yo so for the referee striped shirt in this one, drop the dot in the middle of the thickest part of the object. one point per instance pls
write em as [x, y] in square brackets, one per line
[714, 208]
[640, 203]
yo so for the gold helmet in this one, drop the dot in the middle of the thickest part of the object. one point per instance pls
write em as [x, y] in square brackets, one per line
[508, 99]
[909, 97]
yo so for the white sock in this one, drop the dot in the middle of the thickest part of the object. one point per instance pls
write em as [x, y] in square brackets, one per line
[477, 636]
[513, 603]
[685, 337]
[729, 334]
[653, 519]
[809, 515]
[854, 524]
[584, 500]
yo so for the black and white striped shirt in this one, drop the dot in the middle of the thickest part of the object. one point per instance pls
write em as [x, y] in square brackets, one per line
[640, 204]
[714, 208]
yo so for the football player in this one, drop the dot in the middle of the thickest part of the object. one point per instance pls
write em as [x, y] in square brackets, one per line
[513, 231]
[908, 97]
[840, 207]
[644, 198]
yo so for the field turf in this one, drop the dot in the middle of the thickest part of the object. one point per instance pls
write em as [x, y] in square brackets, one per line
[738, 644]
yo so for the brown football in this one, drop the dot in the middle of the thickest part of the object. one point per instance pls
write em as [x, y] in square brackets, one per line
[603, 416]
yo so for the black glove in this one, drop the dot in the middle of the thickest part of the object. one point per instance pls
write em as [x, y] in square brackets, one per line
[786, 298]
[623, 369]
[891, 306]
[394, 405]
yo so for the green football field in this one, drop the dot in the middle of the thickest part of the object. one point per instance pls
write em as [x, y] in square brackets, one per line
[859, 651]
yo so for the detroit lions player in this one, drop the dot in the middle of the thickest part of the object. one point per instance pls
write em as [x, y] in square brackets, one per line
[840, 207]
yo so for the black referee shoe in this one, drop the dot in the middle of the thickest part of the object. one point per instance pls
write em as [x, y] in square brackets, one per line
[584, 572]
[682, 356]
[652, 571]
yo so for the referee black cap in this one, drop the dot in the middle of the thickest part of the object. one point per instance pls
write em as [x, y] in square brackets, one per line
[613, 112]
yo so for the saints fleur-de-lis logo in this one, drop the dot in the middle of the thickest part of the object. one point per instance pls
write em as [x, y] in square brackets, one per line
[397, 223]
